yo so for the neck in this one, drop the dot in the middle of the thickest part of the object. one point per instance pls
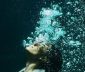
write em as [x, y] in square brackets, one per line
[31, 66]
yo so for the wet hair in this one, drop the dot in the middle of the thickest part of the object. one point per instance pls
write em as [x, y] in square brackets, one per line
[54, 60]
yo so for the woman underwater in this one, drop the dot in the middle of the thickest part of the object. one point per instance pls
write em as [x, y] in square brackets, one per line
[42, 58]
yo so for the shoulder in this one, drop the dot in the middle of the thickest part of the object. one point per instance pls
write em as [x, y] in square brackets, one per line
[39, 70]
[36, 70]
[22, 70]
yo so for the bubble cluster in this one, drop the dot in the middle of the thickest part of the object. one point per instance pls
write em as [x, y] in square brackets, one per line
[63, 25]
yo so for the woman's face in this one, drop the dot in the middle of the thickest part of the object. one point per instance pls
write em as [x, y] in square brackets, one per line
[35, 49]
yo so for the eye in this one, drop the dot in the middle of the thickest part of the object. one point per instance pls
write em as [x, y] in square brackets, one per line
[36, 44]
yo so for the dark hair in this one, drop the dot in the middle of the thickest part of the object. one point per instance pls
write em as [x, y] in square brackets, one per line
[54, 62]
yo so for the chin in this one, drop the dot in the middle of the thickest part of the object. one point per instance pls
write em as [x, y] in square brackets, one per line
[31, 57]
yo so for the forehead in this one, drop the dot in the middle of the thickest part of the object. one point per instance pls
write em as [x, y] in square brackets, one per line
[42, 46]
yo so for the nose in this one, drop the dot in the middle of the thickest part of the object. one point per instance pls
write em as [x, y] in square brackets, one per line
[28, 47]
